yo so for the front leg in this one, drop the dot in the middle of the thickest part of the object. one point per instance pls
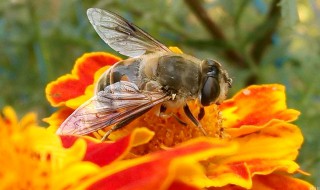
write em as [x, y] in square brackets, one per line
[187, 111]
[201, 113]
[163, 109]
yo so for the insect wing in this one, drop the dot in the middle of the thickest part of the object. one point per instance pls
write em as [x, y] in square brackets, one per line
[117, 102]
[122, 36]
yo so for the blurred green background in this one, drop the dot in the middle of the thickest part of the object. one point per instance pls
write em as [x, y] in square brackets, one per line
[259, 41]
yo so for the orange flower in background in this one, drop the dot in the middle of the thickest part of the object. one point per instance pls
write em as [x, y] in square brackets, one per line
[34, 158]
[250, 145]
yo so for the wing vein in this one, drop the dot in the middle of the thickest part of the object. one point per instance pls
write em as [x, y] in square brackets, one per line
[122, 36]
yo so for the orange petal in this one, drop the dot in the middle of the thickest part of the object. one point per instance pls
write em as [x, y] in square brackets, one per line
[254, 107]
[175, 49]
[278, 141]
[159, 170]
[224, 174]
[73, 85]
[89, 63]
[272, 149]
[35, 159]
[8, 117]
[76, 102]
[28, 120]
[56, 119]
[278, 181]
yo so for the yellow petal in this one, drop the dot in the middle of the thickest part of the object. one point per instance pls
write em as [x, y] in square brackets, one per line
[272, 149]
[175, 49]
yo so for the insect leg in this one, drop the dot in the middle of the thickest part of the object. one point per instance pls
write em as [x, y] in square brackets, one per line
[163, 108]
[201, 113]
[123, 123]
[187, 111]
[179, 120]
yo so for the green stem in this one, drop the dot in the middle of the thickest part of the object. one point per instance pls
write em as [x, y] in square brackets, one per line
[216, 32]
[38, 44]
[265, 30]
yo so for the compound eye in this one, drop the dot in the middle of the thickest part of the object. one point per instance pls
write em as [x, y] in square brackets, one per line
[211, 68]
[210, 91]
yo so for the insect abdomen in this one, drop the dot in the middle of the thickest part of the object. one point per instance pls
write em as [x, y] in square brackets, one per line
[127, 70]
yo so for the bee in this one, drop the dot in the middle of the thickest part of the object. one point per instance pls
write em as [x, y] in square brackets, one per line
[153, 75]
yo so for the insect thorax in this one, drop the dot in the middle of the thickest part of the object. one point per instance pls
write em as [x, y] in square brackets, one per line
[178, 75]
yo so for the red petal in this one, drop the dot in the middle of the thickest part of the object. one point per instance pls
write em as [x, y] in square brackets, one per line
[180, 185]
[269, 103]
[100, 153]
[63, 89]
[73, 85]
[103, 153]
[150, 175]
[159, 170]
[89, 63]
[278, 181]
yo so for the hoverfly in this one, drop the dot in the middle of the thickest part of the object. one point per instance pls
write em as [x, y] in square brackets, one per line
[153, 75]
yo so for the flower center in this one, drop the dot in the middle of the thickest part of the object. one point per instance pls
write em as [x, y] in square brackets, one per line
[169, 129]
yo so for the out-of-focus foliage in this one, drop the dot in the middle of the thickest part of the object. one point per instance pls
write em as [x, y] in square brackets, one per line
[262, 41]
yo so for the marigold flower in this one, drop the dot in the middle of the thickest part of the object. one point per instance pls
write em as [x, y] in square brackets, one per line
[34, 158]
[250, 145]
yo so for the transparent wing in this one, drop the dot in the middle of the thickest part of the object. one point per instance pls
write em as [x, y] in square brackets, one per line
[117, 102]
[122, 36]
